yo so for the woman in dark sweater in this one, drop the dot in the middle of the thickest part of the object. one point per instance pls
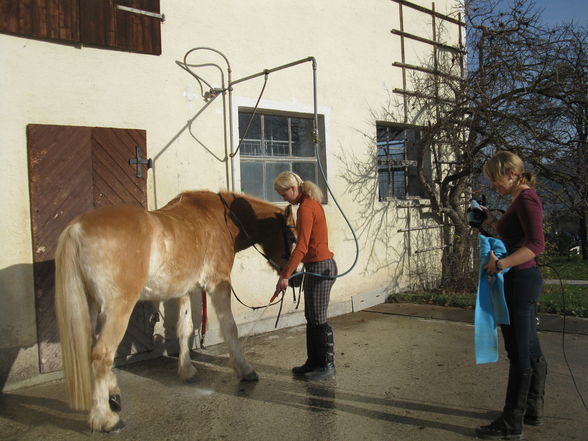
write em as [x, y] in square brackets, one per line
[521, 229]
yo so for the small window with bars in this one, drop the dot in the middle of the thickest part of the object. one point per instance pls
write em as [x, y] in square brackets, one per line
[397, 149]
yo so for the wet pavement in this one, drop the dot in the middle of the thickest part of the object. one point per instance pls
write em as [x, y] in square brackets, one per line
[404, 372]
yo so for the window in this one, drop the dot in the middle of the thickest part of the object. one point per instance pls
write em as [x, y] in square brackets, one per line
[273, 143]
[397, 148]
[130, 25]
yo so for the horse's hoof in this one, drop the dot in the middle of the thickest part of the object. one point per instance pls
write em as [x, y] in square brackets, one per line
[115, 403]
[120, 425]
[250, 377]
[191, 380]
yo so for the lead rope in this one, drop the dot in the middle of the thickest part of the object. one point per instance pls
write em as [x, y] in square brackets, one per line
[280, 301]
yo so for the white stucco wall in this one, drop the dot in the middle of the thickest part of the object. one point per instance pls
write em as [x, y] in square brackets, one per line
[50, 83]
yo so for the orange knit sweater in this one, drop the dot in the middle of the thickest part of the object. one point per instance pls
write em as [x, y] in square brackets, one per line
[313, 238]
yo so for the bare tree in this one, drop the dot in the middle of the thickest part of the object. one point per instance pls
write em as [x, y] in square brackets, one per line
[558, 147]
[520, 75]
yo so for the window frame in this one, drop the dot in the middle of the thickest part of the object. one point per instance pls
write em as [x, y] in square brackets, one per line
[265, 159]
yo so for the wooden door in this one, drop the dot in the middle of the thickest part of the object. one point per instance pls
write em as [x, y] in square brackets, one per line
[73, 170]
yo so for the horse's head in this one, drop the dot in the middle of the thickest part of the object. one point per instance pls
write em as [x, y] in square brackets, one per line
[280, 240]
[263, 223]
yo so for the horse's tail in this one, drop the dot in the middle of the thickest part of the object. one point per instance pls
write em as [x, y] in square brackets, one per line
[73, 319]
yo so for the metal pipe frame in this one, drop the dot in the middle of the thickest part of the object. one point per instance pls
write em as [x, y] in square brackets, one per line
[228, 89]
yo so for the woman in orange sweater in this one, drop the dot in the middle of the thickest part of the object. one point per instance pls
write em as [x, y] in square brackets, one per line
[312, 249]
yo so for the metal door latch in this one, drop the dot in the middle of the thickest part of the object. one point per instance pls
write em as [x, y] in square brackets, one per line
[138, 161]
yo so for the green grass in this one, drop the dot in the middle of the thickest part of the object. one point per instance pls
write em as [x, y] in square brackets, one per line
[573, 302]
[572, 268]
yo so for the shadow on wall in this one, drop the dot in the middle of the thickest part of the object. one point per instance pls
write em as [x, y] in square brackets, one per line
[399, 253]
[17, 321]
[20, 342]
[166, 339]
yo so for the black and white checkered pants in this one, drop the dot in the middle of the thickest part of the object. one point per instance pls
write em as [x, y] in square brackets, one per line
[317, 290]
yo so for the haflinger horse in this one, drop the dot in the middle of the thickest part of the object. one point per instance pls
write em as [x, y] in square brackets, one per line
[112, 257]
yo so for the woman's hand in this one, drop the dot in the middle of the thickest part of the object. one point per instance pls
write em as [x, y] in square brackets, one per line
[490, 267]
[280, 286]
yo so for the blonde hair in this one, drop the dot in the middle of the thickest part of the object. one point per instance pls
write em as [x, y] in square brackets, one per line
[288, 179]
[504, 162]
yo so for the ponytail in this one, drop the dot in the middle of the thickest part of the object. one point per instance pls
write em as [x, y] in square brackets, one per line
[529, 179]
[288, 179]
[311, 190]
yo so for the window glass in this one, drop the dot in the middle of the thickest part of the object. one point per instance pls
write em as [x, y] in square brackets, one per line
[383, 184]
[251, 172]
[398, 183]
[391, 143]
[306, 171]
[302, 142]
[251, 143]
[277, 141]
[273, 144]
[273, 169]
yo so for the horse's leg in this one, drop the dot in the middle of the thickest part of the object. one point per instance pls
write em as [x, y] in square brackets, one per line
[114, 322]
[221, 298]
[184, 329]
[113, 389]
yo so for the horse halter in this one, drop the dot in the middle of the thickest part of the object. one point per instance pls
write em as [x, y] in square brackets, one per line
[288, 239]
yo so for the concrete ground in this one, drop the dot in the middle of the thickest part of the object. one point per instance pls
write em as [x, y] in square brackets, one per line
[404, 372]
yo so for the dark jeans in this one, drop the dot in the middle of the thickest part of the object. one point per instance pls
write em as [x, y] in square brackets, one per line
[522, 289]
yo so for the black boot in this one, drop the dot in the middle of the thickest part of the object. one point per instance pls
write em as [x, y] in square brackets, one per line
[534, 413]
[310, 363]
[510, 424]
[325, 360]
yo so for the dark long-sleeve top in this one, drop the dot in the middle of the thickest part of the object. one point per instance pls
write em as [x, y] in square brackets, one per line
[522, 226]
[312, 244]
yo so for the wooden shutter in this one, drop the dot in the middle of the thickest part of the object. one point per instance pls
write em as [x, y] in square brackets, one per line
[103, 24]
[91, 22]
[52, 19]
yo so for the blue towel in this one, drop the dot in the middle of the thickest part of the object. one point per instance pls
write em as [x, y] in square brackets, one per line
[491, 308]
